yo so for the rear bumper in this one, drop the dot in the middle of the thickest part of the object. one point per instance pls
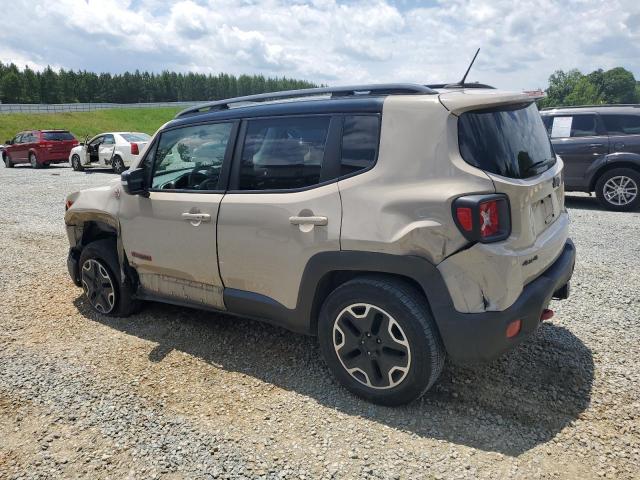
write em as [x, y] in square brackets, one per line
[472, 337]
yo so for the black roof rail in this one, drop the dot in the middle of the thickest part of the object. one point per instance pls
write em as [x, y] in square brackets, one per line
[460, 85]
[335, 92]
[631, 105]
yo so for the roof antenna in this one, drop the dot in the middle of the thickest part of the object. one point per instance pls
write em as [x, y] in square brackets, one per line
[461, 82]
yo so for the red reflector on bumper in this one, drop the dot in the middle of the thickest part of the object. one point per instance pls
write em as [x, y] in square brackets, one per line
[513, 328]
[547, 313]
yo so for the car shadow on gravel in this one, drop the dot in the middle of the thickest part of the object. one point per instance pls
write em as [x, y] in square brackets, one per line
[509, 406]
[583, 202]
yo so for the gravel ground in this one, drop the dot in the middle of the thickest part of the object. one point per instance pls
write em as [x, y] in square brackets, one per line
[177, 393]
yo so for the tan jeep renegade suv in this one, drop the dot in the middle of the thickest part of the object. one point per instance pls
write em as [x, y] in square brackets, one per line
[398, 223]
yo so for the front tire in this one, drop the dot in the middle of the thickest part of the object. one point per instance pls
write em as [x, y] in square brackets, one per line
[7, 161]
[619, 189]
[100, 280]
[75, 163]
[118, 165]
[379, 339]
[33, 160]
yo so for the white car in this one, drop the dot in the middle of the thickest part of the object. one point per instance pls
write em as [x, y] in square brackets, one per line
[116, 150]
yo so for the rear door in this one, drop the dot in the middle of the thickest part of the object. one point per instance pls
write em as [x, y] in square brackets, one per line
[580, 140]
[106, 149]
[170, 236]
[624, 133]
[282, 206]
[510, 144]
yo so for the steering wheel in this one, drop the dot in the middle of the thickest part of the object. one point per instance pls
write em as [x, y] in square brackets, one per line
[208, 183]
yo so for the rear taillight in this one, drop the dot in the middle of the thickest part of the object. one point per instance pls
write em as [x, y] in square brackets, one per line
[483, 218]
[67, 205]
[134, 149]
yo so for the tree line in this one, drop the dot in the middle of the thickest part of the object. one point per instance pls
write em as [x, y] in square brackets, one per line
[617, 85]
[68, 86]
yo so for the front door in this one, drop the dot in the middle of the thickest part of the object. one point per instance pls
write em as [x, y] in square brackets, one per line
[280, 209]
[91, 152]
[170, 236]
[579, 140]
[17, 151]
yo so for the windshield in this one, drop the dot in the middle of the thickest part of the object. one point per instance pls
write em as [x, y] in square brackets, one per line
[135, 137]
[57, 136]
[509, 141]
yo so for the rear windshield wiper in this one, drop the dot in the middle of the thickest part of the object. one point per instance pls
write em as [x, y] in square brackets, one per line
[539, 163]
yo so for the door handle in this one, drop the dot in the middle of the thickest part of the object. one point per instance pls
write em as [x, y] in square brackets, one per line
[308, 220]
[196, 218]
[596, 145]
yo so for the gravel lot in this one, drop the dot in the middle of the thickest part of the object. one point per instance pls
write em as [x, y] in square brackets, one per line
[177, 393]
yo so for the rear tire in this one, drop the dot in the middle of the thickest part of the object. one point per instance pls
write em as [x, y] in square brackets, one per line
[118, 165]
[75, 163]
[379, 339]
[33, 160]
[619, 189]
[100, 280]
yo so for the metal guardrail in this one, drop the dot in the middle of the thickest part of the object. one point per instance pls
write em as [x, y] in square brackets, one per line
[83, 107]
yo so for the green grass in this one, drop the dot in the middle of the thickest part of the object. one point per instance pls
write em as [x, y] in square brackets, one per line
[83, 124]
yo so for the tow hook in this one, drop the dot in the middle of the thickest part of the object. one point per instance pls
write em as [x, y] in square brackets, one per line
[547, 313]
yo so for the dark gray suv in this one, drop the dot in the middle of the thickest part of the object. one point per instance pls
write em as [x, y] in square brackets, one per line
[600, 147]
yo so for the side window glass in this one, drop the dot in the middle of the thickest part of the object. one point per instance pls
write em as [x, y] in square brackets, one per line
[18, 139]
[283, 153]
[574, 126]
[622, 124]
[548, 123]
[95, 142]
[108, 140]
[584, 126]
[359, 143]
[191, 158]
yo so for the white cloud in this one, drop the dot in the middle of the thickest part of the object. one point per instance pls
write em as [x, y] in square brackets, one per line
[329, 41]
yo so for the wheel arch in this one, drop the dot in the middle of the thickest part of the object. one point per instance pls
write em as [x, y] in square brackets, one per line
[327, 271]
[631, 161]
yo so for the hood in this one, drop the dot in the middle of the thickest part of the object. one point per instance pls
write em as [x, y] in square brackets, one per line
[459, 101]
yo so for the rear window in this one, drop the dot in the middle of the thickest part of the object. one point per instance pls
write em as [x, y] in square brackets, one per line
[57, 136]
[509, 141]
[135, 137]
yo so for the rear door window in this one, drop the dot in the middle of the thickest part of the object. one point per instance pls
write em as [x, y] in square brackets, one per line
[566, 126]
[360, 137]
[622, 124]
[283, 153]
[510, 141]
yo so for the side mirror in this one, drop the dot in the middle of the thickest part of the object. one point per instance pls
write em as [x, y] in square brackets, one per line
[8, 142]
[81, 144]
[133, 182]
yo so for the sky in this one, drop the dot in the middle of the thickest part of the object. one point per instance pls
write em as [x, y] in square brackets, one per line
[328, 41]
